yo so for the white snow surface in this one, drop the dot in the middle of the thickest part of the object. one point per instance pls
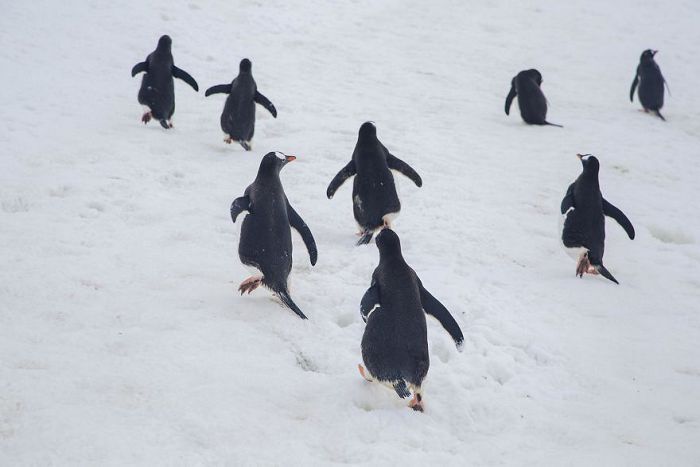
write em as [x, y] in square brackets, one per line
[123, 340]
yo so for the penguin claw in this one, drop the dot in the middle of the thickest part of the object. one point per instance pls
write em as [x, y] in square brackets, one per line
[250, 284]
[228, 140]
[145, 118]
[583, 265]
[416, 403]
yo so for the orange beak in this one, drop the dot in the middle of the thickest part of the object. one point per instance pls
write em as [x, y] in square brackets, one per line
[291, 158]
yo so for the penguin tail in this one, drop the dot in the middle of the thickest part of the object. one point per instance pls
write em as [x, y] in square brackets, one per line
[600, 269]
[553, 124]
[401, 389]
[289, 303]
[164, 123]
[658, 114]
[365, 238]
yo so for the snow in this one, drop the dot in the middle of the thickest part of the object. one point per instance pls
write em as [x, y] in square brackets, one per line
[122, 338]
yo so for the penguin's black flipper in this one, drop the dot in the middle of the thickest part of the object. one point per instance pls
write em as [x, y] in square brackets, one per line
[433, 307]
[346, 172]
[509, 98]
[614, 212]
[634, 86]
[370, 301]
[401, 389]
[289, 303]
[184, 76]
[298, 223]
[139, 68]
[218, 89]
[604, 272]
[265, 102]
[238, 206]
[399, 165]
[568, 201]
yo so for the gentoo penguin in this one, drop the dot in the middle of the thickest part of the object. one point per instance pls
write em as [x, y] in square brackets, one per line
[374, 197]
[584, 210]
[531, 100]
[651, 84]
[266, 237]
[157, 91]
[395, 341]
[238, 117]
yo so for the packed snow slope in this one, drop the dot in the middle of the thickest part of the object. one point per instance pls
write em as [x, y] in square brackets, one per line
[123, 339]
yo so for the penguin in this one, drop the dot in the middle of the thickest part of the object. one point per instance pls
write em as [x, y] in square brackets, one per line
[374, 199]
[238, 117]
[266, 237]
[157, 90]
[533, 105]
[651, 84]
[584, 209]
[395, 340]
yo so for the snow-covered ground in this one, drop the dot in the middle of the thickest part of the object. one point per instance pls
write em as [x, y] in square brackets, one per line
[123, 340]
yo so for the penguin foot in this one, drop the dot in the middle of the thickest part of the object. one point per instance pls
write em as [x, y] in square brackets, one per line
[228, 139]
[417, 402]
[145, 118]
[250, 284]
[583, 265]
[246, 145]
[362, 372]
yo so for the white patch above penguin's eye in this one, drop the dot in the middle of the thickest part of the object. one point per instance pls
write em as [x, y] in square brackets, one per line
[280, 155]
[585, 157]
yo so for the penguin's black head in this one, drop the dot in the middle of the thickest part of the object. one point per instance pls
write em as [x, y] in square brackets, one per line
[368, 130]
[388, 242]
[245, 65]
[535, 75]
[590, 163]
[648, 55]
[273, 162]
[164, 43]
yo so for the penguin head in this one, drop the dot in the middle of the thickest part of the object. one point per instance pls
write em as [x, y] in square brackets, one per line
[590, 163]
[388, 243]
[164, 43]
[273, 162]
[648, 55]
[535, 75]
[245, 66]
[368, 130]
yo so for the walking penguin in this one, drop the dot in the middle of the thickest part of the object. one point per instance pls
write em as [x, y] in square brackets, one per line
[531, 101]
[651, 84]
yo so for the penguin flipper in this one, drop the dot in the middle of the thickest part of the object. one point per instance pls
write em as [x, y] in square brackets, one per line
[614, 212]
[265, 102]
[634, 86]
[184, 76]
[141, 67]
[568, 201]
[433, 307]
[346, 172]
[370, 301]
[238, 206]
[509, 99]
[298, 223]
[399, 165]
[218, 89]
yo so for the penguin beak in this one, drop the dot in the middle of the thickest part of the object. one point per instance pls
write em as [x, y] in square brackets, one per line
[654, 52]
[580, 156]
[290, 158]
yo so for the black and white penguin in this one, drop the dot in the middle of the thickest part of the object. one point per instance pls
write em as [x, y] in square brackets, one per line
[374, 198]
[157, 90]
[395, 341]
[238, 117]
[651, 84]
[584, 210]
[266, 237]
[531, 100]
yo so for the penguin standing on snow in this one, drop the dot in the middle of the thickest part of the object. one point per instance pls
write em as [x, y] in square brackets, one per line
[266, 237]
[395, 341]
[531, 100]
[374, 197]
[651, 84]
[238, 117]
[584, 210]
[157, 90]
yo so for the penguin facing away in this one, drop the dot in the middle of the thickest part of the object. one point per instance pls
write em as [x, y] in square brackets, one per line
[651, 84]
[238, 117]
[157, 90]
[584, 210]
[266, 239]
[374, 198]
[395, 340]
[531, 101]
